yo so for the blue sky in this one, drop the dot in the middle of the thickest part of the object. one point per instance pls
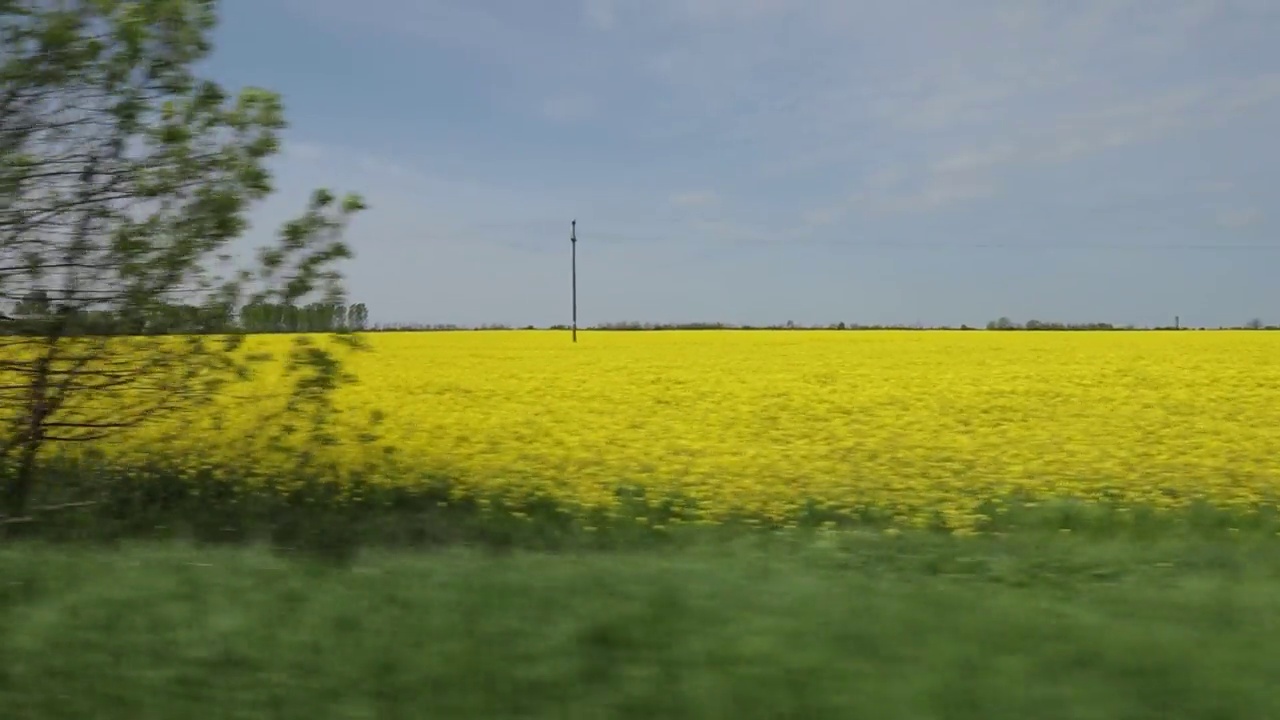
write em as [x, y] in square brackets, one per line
[758, 161]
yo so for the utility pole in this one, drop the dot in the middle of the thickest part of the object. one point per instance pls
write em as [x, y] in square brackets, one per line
[573, 245]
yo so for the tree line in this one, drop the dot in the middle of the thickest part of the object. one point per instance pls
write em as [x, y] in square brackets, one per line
[35, 311]
[317, 317]
[1003, 324]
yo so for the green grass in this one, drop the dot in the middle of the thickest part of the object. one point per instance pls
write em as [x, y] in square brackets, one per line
[848, 626]
[89, 502]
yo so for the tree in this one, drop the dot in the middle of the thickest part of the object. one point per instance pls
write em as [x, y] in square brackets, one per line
[1003, 323]
[358, 317]
[313, 317]
[1255, 324]
[33, 303]
[124, 177]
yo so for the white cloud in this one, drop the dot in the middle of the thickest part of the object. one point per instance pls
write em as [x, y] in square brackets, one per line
[975, 159]
[302, 151]
[466, 25]
[792, 73]
[601, 14]
[567, 108]
[970, 173]
[935, 192]
[728, 11]
[1240, 218]
[695, 198]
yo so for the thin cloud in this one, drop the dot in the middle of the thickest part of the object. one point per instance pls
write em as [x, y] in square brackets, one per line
[1240, 218]
[695, 199]
[601, 14]
[568, 108]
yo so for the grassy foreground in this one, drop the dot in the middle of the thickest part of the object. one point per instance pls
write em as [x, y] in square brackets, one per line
[920, 626]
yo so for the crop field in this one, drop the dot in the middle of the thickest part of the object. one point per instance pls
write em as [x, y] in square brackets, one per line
[915, 427]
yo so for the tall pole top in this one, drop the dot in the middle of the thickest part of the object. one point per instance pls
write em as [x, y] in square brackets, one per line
[573, 235]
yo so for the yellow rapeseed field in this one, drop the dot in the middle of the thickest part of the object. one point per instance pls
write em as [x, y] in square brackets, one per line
[916, 424]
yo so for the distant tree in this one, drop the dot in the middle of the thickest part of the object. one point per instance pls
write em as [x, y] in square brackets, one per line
[1255, 324]
[358, 317]
[124, 177]
[34, 303]
[316, 317]
[1003, 323]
